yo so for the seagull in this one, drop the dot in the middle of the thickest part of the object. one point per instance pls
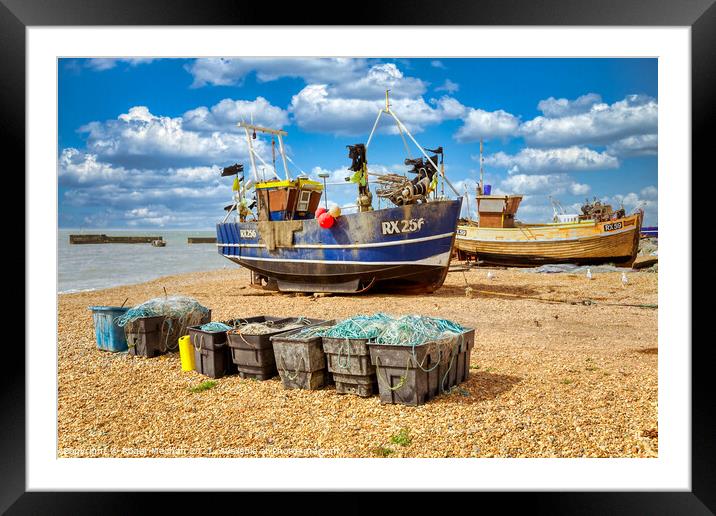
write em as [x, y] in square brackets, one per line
[625, 280]
[589, 273]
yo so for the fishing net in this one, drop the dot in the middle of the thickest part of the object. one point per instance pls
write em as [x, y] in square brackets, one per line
[179, 313]
[215, 327]
[266, 327]
[305, 333]
[414, 330]
[441, 336]
[358, 327]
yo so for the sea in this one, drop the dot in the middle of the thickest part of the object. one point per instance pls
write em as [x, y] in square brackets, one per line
[83, 267]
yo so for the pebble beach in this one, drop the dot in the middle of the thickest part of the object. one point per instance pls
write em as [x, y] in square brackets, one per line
[562, 366]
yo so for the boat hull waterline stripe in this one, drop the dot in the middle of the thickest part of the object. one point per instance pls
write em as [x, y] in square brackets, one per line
[537, 240]
[439, 260]
[350, 246]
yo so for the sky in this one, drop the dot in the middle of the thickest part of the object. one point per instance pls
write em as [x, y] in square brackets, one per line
[142, 141]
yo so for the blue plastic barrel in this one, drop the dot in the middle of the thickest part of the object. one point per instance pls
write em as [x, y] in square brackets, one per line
[110, 335]
[488, 189]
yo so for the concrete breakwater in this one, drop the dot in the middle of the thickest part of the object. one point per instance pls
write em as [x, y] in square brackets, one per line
[104, 239]
[201, 240]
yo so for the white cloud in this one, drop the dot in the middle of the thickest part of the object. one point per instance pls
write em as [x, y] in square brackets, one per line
[377, 79]
[555, 108]
[139, 138]
[101, 64]
[633, 201]
[486, 124]
[227, 71]
[224, 115]
[315, 109]
[641, 145]
[579, 188]
[543, 184]
[437, 64]
[448, 86]
[75, 167]
[530, 160]
[650, 193]
[602, 124]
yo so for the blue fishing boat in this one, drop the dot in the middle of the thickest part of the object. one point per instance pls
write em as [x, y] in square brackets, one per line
[289, 246]
[649, 232]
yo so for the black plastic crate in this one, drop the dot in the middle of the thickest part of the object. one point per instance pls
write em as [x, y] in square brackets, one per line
[214, 363]
[253, 354]
[259, 364]
[263, 341]
[175, 330]
[407, 375]
[145, 344]
[460, 361]
[145, 325]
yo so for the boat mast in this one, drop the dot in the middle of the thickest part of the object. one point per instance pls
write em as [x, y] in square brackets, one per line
[482, 161]
[253, 154]
[402, 128]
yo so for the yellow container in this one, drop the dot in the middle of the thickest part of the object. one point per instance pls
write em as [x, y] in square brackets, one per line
[186, 353]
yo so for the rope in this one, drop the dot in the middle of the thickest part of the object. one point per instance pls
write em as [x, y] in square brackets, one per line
[403, 378]
[564, 301]
[288, 371]
[198, 337]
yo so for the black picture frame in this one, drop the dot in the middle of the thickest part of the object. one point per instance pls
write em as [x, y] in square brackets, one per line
[700, 15]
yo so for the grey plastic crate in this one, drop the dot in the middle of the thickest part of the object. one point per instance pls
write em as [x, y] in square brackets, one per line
[349, 361]
[301, 363]
[348, 356]
[364, 386]
[304, 380]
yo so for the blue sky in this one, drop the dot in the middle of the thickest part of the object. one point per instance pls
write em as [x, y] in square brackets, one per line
[141, 141]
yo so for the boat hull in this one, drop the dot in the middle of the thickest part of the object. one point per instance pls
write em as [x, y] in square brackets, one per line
[405, 249]
[614, 241]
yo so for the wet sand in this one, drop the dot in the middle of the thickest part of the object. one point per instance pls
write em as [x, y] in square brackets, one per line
[576, 378]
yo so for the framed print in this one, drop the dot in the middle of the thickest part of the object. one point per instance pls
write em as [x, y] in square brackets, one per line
[287, 248]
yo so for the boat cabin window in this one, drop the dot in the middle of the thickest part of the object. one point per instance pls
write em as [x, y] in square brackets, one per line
[304, 200]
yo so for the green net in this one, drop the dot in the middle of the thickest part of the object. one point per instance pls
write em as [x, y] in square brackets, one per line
[215, 327]
[359, 327]
[414, 330]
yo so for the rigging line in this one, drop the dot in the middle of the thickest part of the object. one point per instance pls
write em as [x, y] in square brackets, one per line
[275, 173]
[294, 164]
[405, 143]
[424, 154]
